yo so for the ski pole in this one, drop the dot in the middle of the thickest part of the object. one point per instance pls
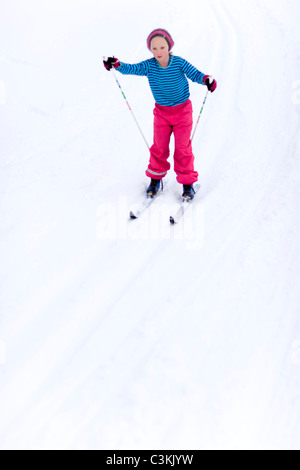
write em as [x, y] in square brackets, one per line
[128, 105]
[204, 101]
[200, 114]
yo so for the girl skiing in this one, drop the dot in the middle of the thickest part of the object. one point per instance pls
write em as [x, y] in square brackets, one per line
[167, 74]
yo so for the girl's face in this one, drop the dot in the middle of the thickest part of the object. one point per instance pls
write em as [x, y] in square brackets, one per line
[160, 50]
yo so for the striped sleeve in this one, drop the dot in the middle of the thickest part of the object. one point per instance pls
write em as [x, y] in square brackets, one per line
[140, 69]
[192, 73]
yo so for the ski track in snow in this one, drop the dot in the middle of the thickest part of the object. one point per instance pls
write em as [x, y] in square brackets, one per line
[173, 337]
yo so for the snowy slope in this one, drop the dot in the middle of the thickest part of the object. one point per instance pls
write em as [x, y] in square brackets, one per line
[138, 335]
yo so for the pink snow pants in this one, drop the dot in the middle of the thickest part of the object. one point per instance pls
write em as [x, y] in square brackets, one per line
[179, 120]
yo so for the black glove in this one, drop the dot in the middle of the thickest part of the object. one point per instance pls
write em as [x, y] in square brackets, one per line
[210, 82]
[111, 62]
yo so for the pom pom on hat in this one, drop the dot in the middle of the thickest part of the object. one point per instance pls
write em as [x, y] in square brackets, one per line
[164, 34]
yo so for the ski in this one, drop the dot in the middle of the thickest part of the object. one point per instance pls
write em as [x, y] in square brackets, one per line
[135, 214]
[145, 204]
[182, 207]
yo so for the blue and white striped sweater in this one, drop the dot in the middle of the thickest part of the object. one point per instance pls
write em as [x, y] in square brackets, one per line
[169, 85]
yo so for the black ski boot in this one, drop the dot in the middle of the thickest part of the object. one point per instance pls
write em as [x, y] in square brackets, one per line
[188, 192]
[153, 188]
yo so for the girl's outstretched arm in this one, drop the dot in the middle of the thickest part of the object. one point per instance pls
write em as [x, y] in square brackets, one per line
[140, 69]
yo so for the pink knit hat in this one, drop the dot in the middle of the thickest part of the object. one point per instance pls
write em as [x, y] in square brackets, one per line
[164, 34]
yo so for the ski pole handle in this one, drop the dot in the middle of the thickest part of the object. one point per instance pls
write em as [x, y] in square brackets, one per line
[210, 82]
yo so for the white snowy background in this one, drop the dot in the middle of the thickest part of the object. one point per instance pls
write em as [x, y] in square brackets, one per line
[118, 334]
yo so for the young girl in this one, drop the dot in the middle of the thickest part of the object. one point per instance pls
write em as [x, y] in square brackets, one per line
[167, 74]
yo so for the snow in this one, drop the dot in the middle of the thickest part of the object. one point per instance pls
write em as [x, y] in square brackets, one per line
[118, 334]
